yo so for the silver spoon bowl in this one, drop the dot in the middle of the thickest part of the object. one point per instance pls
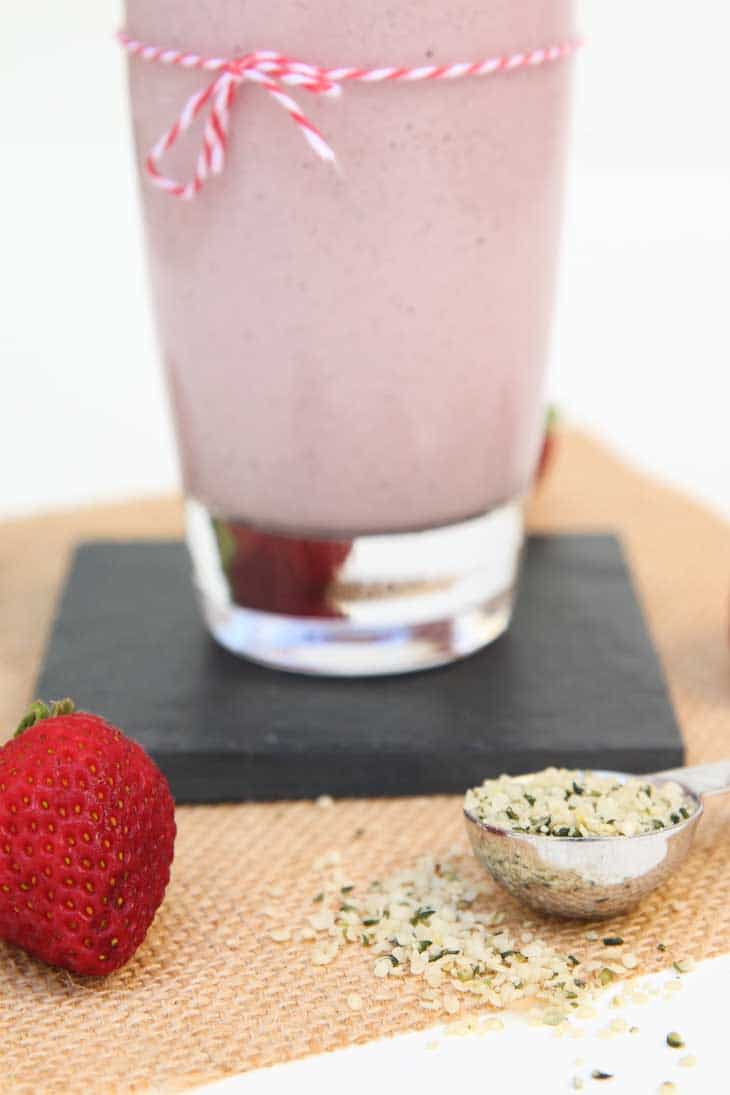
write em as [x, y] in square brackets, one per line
[595, 877]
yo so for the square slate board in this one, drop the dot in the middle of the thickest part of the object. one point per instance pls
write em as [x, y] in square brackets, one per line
[574, 682]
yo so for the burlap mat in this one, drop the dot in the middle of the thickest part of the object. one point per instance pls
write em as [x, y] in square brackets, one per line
[209, 993]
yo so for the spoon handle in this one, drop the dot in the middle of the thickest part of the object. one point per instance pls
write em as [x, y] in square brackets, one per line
[702, 779]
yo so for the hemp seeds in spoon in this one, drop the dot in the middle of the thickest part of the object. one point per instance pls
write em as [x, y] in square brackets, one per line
[567, 802]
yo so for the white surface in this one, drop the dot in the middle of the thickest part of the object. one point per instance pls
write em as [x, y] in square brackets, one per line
[521, 1059]
[642, 347]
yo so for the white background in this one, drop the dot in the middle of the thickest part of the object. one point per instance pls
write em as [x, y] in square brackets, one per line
[641, 350]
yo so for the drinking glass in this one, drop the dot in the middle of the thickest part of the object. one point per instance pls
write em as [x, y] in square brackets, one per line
[355, 352]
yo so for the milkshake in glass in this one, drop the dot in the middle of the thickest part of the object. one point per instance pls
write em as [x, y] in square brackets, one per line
[355, 353]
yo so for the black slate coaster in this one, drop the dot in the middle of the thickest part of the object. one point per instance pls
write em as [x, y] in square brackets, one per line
[575, 682]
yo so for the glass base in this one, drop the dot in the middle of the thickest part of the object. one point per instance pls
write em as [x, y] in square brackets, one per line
[370, 605]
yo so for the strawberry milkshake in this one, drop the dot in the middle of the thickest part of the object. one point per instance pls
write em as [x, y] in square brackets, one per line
[355, 353]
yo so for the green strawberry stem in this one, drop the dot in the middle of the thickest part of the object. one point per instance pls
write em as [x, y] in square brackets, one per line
[39, 710]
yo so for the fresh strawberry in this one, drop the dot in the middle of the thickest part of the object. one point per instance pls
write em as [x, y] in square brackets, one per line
[87, 828]
[549, 443]
[275, 573]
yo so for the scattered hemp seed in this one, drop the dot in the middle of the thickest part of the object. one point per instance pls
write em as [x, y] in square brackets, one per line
[661, 946]
[613, 941]
[676, 1041]
[329, 859]
[324, 953]
[423, 923]
[597, 1074]
[493, 1024]
[382, 967]
[322, 921]
[564, 803]
[280, 935]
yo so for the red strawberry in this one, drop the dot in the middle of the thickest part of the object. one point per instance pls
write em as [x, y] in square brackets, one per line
[550, 440]
[275, 573]
[87, 828]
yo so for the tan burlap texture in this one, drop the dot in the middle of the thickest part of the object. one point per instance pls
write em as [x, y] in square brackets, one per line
[209, 993]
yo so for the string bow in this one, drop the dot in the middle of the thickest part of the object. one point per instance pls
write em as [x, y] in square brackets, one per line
[273, 71]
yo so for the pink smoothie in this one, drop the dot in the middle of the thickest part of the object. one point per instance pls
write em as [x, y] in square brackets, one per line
[359, 350]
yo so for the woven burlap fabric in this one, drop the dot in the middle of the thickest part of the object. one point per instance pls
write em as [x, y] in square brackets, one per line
[209, 993]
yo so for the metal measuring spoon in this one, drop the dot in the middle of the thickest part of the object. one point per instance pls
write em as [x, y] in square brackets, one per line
[595, 876]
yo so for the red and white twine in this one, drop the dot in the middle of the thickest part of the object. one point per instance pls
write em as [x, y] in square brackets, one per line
[271, 71]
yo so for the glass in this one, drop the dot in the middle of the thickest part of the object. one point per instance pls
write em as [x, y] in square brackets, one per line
[355, 354]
